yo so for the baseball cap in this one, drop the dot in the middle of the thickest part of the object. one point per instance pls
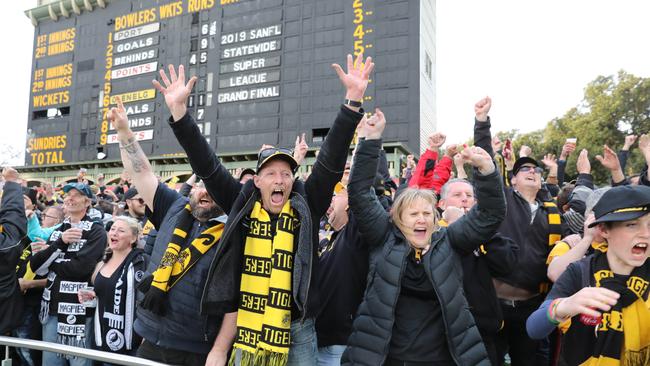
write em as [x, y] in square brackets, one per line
[273, 153]
[83, 188]
[246, 171]
[521, 161]
[132, 192]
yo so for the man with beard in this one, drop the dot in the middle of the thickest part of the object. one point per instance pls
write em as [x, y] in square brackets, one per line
[168, 318]
[534, 223]
[267, 261]
[135, 207]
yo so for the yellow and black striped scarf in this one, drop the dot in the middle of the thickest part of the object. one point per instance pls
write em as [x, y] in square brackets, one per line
[264, 313]
[554, 234]
[501, 165]
[622, 336]
[176, 262]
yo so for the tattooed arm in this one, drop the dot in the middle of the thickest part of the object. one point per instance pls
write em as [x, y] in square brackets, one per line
[133, 158]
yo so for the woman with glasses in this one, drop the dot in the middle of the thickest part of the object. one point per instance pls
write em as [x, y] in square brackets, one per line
[414, 310]
[51, 219]
[115, 281]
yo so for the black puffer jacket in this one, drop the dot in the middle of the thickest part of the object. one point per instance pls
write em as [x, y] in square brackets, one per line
[13, 226]
[370, 339]
[310, 199]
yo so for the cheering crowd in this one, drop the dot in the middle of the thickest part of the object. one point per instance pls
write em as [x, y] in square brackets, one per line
[470, 257]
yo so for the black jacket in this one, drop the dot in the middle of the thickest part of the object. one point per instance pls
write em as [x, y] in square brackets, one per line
[497, 257]
[341, 283]
[531, 238]
[309, 199]
[182, 327]
[370, 339]
[13, 227]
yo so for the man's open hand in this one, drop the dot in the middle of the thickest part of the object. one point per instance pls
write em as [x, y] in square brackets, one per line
[175, 90]
[355, 80]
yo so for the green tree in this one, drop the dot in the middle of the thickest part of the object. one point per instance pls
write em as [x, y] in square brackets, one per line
[612, 107]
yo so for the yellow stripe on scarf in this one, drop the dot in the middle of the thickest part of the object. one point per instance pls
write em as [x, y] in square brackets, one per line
[163, 272]
[633, 321]
[264, 314]
[175, 263]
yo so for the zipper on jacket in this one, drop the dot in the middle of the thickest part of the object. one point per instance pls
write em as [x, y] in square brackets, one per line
[303, 316]
[399, 290]
[452, 350]
[235, 223]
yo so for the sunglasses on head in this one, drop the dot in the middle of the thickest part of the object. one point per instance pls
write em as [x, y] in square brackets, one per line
[272, 150]
[526, 169]
[140, 200]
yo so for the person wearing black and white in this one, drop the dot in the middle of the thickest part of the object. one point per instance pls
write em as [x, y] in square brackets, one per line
[115, 282]
[74, 250]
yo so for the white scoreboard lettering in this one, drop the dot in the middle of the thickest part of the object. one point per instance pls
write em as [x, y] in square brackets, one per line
[251, 34]
[134, 70]
[136, 44]
[248, 79]
[136, 57]
[136, 32]
[241, 95]
[249, 64]
[139, 135]
[251, 49]
[138, 122]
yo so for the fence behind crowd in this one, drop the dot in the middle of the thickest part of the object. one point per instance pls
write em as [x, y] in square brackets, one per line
[114, 358]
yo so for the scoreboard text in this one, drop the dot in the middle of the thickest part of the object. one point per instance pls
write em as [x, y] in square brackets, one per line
[263, 68]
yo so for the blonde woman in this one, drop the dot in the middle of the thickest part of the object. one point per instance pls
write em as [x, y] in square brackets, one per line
[115, 281]
[414, 310]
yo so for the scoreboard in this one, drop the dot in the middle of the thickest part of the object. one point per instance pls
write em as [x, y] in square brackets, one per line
[263, 67]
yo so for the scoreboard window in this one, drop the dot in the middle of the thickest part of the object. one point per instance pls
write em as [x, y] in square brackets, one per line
[263, 69]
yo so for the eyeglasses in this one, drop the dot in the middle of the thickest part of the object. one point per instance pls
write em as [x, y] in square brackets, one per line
[526, 169]
[50, 216]
[140, 200]
[272, 150]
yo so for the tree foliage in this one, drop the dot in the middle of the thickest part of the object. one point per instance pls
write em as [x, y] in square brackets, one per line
[613, 106]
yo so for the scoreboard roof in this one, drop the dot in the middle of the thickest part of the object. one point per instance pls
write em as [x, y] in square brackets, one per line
[263, 67]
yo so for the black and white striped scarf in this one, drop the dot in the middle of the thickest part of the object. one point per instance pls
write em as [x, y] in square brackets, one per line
[116, 309]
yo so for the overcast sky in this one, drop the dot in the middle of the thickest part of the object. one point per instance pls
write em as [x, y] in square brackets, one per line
[532, 57]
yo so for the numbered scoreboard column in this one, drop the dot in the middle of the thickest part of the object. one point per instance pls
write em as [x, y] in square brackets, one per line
[203, 46]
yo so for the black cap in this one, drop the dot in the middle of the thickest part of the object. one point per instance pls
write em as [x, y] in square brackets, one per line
[622, 203]
[31, 194]
[273, 153]
[132, 192]
[246, 171]
[521, 161]
[83, 188]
